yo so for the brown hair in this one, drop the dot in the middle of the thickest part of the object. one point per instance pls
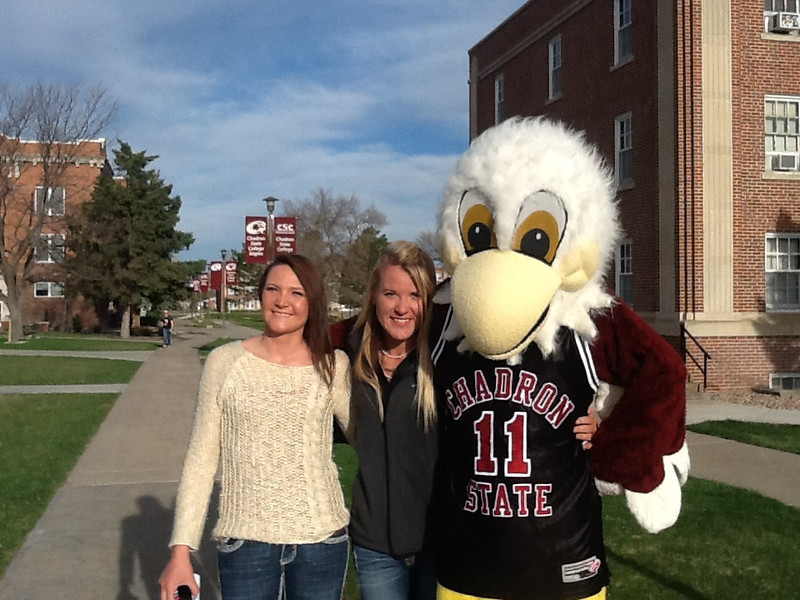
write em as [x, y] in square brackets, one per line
[419, 266]
[315, 332]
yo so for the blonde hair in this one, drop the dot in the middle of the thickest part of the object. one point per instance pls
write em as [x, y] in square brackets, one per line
[419, 266]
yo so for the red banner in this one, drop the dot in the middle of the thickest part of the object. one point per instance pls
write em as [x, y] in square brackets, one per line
[231, 273]
[256, 240]
[203, 278]
[286, 235]
[216, 274]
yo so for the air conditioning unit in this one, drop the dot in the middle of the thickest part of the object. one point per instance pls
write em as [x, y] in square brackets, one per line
[784, 162]
[784, 22]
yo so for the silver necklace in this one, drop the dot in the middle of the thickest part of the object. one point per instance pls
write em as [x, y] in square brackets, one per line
[395, 357]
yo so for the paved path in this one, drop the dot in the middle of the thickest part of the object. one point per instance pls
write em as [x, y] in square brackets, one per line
[105, 532]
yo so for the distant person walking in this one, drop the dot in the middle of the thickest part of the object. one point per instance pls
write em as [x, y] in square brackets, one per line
[167, 324]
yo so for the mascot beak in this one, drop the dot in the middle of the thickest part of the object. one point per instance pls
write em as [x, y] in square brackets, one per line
[500, 298]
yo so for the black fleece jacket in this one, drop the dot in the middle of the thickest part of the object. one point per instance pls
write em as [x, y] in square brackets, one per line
[392, 508]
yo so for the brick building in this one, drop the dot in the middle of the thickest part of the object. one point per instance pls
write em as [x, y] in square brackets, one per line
[697, 107]
[23, 199]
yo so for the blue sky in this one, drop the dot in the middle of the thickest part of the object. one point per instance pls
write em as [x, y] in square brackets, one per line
[243, 99]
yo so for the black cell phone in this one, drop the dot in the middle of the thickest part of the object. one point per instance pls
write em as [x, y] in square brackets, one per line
[184, 593]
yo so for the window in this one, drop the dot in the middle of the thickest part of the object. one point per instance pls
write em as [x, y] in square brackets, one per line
[53, 203]
[784, 381]
[782, 265]
[623, 147]
[781, 133]
[499, 99]
[623, 31]
[555, 67]
[624, 264]
[780, 6]
[50, 248]
[48, 289]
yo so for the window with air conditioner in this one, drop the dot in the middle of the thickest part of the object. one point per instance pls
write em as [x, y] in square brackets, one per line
[499, 99]
[782, 266]
[555, 67]
[781, 133]
[782, 16]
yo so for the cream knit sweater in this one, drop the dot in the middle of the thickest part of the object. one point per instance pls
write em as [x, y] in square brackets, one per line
[269, 428]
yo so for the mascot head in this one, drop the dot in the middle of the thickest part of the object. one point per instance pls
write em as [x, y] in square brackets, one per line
[527, 229]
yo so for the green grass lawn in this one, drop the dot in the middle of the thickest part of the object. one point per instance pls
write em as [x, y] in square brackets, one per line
[41, 439]
[776, 436]
[80, 342]
[52, 370]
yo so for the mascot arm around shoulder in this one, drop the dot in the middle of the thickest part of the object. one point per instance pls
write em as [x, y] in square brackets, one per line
[528, 227]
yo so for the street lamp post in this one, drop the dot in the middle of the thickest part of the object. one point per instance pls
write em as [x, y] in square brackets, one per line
[270, 201]
[224, 289]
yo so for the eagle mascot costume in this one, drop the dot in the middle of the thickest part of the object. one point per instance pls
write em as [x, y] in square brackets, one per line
[526, 339]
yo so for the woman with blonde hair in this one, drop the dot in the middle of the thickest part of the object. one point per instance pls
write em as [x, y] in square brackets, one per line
[393, 409]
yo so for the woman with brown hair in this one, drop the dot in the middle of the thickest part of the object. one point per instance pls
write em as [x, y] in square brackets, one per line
[264, 413]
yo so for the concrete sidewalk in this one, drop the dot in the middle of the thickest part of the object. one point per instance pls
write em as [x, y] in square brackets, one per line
[105, 532]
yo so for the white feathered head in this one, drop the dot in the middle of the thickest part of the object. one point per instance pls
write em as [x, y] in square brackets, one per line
[527, 229]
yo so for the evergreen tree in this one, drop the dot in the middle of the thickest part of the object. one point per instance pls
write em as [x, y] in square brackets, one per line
[122, 241]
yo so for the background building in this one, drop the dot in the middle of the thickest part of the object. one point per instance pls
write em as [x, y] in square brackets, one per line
[697, 107]
[45, 304]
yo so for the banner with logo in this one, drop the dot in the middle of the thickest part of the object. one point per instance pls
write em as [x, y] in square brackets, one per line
[256, 240]
[215, 267]
[286, 235]
[231, 273]
[203, 278]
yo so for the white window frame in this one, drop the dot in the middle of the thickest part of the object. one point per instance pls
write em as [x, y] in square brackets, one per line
[50, 248]
[782, 268]
[782, 133]
[777, 381]
[773, 6]
[51, 288]
[623, 262]
[554, 62]
[499, 99]
[52, 208]
[623, 149]
[623, 31]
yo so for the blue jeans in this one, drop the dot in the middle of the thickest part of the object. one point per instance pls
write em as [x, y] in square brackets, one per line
[384, 577]
[167, 336]
[259, 571]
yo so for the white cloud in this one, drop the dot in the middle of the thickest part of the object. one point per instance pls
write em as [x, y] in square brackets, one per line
[242, 99]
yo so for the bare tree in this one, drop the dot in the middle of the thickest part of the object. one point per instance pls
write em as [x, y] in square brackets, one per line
[428, 241]
[327, 226]
[44, 132]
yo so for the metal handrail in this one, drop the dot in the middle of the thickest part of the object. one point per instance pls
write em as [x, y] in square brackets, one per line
[686, 352]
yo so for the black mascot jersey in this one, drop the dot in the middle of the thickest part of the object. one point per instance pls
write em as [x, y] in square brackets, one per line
[521, 518]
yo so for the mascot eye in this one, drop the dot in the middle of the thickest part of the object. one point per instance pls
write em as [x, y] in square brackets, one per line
[537, 237]
[540, 225]
[477, 224]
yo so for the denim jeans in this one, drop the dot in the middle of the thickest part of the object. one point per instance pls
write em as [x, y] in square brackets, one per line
[167, 336]
[384, 577]
[260, 571]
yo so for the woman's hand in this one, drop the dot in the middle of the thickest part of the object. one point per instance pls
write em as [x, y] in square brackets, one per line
[178, 572]
[585, 428]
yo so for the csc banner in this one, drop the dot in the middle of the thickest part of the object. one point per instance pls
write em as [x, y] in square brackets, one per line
[286, 235]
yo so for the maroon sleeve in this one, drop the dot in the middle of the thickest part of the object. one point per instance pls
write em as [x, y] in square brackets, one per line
[340, 330]
[649, 421]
